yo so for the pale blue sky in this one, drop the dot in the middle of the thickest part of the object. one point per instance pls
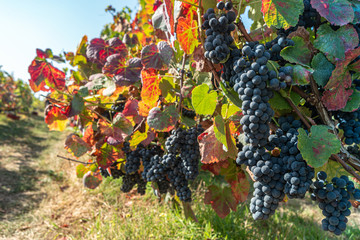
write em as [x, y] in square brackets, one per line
[29, 24]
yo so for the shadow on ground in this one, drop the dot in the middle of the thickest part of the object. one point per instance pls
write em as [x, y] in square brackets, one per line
[21, 145]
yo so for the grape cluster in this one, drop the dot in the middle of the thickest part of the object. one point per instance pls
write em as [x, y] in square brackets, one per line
[104, 173]
[188, 113]
[354, 150]
[179, 165]
[228, 74]
[333, 198]
[310, 17]
[250, 83]
[130, 180]
[283, 80]
[119, 105]
[356, 84]
[133, 158]
[275, 46]
[298, 174]
[217, 30]
[350, 123]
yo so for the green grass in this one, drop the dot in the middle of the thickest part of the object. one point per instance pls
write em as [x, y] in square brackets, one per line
[148, 219]
[44, 200]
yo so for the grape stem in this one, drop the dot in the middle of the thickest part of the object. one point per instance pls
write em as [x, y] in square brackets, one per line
[346, 166]
[182, 82]
[73, 160]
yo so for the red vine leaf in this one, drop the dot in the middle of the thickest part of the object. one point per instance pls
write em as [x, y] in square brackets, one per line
[107, 154]
[98, 50]
[211, 148]
[55, 119]
[76, 146]
[131, 108]
[187, 33]
[163, 121]
[215, 168]
[150, 91]
[240, 187]
[88, 136]
[157, 56]
[92, 180]
[338, 88]
[337, 12]
[221, 199]
[123, 74]
[43, 73]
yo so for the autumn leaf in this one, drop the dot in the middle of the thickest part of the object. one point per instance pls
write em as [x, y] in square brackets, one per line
[55, 119]
[157, 56]
[163, 120]
[187, 33]
[43, 73]
[76, 146]
[98, 50]
[150, 91]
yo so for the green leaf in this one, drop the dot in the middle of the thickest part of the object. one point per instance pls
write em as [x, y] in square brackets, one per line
[279, 103]
[336, 43]
[203, 78]
[166, 86]
[220, 132]
[299, 53]
[282, 13]
[231, 95]
[353, 103]
[227, 110]
[323, 69]
[317, 147]
[203, 101]
[272, 65]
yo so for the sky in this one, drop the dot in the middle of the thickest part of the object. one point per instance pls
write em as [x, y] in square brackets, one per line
[59, 25]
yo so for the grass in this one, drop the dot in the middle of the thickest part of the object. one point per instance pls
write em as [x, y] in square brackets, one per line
[41, 198]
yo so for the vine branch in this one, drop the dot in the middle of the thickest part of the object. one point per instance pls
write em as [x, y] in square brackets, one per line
[73, 160]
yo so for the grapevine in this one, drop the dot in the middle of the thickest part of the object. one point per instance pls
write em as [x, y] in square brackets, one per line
[173, 99]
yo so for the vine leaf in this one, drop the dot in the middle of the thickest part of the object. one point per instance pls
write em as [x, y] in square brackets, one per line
[332, 169]
[107, 154]
[150, 91]
[301, 75]
[187, 33]
[322, 69]
[76, 106]
[91, 180]
[117, 131]
[353, 103]
[335, 43]
[299, 53]
[211, 149]
[76, 146]
[55, 119]
[240, 187]
[89, 135]
[216, 167]
[81, 170]
[282, 13]
[43, 73]
[157, 56]
[131, 108]
[98, 50]
[223, 134]
[279, 103]
[231, 95]
[317, 147]
[337, 89]
[203, 101]
[163, 121]
[221, 199]
[123, 74]
[337, 12]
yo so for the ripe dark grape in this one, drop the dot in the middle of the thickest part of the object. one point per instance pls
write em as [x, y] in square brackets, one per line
[188, 113]
[349, 122]
[217, 29]
[333, 198]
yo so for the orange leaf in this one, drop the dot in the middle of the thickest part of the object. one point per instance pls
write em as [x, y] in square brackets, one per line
[55, 119]
[150, 91]
[187, 33]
